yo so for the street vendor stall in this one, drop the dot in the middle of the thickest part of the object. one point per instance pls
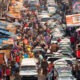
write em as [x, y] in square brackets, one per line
[13, 15]
[2, 52]
[8, 26]
[14, 10]
[11, 28]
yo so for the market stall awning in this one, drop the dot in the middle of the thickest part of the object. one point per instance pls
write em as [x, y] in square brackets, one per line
[23, 8]
[13, 15]
[9, 15]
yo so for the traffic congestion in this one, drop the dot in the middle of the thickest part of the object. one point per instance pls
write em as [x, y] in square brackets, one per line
[40, 40]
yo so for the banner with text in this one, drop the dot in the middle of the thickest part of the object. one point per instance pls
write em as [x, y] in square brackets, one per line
[73, 20]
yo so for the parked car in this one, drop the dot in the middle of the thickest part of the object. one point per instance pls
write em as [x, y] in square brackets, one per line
[44, 19]
[64, 70]
[33, 7]
[66, 76]
[28, 69]
[44, 12]
[52, 9]
[51, 2]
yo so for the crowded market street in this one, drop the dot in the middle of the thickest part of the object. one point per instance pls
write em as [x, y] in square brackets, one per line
[39, 39]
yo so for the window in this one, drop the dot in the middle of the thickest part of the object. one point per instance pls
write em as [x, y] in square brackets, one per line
[45, 19]
[28, 68]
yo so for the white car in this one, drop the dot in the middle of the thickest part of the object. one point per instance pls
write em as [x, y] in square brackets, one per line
[51, 2]
[58, 34]
[64, 69]
[66, 78]
[43, 12]
[44, 18]
[52, 9]
[28, 68]
[35, 2]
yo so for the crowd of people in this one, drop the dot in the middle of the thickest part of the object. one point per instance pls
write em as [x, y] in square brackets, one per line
[32, 35]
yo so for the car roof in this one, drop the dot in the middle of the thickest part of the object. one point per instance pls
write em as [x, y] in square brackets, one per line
[44, 16]
[64, 60]
[28, 62]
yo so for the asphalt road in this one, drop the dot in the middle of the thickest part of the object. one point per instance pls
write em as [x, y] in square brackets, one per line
[41, 77]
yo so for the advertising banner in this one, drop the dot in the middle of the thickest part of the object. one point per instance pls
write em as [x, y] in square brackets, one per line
[73, 20]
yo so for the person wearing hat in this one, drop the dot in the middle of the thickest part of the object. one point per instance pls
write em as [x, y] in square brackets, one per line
[28, 47]
[31, 54]
[50, 66]
[17, 58]
[25, 55]
[54, 46]
[44, 66]
[8, 73]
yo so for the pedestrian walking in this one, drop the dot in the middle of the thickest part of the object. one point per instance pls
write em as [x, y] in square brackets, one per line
[1, 74]
[54, 47]
[8, 73]
[44, 66]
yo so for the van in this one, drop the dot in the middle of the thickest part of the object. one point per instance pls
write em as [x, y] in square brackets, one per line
[28, 69]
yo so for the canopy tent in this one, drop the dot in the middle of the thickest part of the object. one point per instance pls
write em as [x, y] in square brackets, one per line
[9, 15]
[13, 15]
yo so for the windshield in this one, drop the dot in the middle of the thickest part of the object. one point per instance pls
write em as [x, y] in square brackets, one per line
[32, 7]
[65, 74]
[33, 2]
[28, 68]
[67, 77]
[51, 5]
[45, 19]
